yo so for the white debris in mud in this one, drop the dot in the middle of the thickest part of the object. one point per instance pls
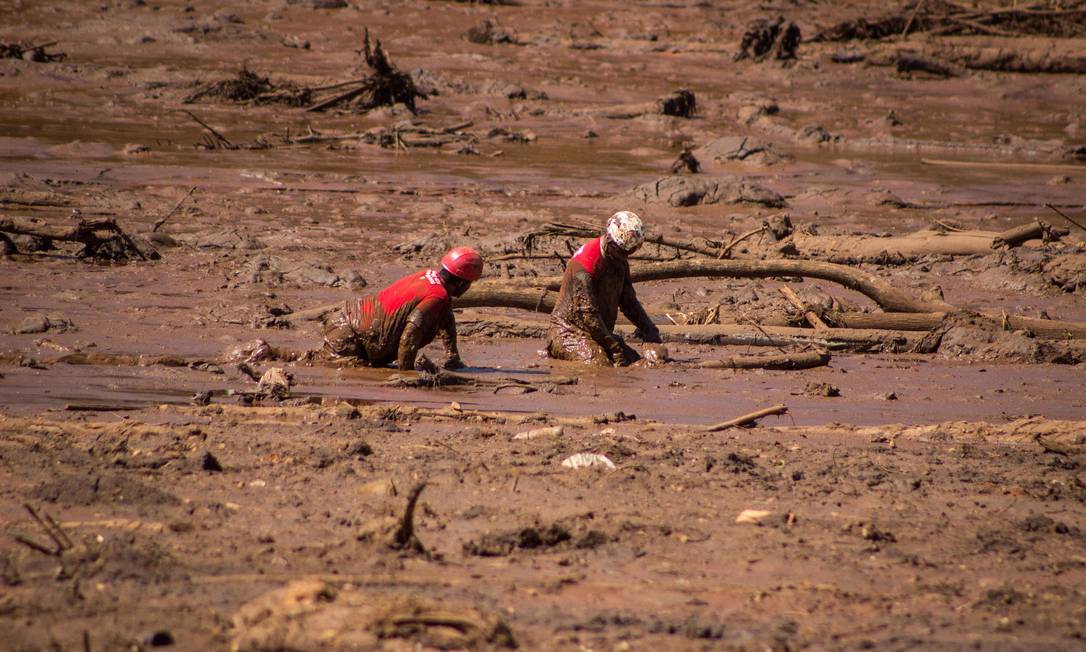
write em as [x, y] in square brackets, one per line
[588, 460]
[553, 431]
[752, 516]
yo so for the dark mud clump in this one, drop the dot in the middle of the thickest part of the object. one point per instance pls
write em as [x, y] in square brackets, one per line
[681, 191]
[104, 488]
[681, 104]
[982, 338]
[490, 32]
[770, 38]
[249, 87]
[35, 53]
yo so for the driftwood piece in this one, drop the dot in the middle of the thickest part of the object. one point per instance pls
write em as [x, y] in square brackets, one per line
[778, 361]
[114, 245]
[748, 418]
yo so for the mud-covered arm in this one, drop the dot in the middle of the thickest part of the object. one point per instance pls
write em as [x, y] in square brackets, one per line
[419, 331]
[448, 338]
[635, 312]
[580, 291]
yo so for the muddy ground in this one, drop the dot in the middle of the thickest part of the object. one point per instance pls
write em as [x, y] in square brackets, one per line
[936, 503]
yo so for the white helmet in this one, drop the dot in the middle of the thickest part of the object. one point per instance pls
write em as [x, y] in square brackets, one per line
[626, 230]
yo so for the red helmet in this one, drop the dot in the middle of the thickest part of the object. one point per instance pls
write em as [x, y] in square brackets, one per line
[463, 262]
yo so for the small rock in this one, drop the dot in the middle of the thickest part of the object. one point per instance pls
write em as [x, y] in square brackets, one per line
[590, 134]
[821, 389]
[1059, 180]
[210, 463]
[886, 396]
[354, 280]
[275, 383]
[41, 323]
[588, 460]
[754, 516]
[656, 354]
[378, 488]
[160, 638]
[201, 398]
[135, 148]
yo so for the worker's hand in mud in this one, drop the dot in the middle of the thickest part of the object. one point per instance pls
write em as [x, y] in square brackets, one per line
[454, 363]
[652, 336]
[425, 365]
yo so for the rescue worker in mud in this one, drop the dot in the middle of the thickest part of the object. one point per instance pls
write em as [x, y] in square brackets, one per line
[405, 316]
[595, 286]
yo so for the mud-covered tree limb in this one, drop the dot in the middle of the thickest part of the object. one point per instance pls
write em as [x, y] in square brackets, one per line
[1046, 328]
[777, 361]
[878, 290]
[115, 245]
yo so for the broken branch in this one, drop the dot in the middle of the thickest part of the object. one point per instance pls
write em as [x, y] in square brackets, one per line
[748, 418]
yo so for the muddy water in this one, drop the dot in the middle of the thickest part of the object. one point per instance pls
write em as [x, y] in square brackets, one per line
[926, 541]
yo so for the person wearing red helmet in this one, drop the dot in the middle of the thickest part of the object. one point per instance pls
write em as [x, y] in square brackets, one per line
[595, 286]
[396, 322]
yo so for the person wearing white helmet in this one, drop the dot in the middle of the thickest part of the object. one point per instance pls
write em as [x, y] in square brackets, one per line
[595, 286]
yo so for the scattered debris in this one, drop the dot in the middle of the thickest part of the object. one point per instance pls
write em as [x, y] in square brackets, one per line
[821, 389]
[250, 88]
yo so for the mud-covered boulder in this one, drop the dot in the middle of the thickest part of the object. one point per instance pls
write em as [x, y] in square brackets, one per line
[1067, 272]
[981, 338]
[691, 191]
[315, 615]
[745, 149]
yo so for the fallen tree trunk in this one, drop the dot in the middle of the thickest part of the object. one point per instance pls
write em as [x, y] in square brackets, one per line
[1047, 328]
[116, 245]
[782, 361]
[831, 339]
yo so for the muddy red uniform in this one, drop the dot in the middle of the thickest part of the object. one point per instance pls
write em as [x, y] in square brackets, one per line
[395, 323]
[594, 288]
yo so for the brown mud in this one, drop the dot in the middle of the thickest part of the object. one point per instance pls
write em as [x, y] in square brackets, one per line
[936, 502]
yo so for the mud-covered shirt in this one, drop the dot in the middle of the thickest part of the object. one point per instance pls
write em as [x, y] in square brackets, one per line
[594, 288]
[403, 317]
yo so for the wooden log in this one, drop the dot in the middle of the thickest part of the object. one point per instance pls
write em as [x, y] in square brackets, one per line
[1046, 328]
[832, 339]
[782, 361]
[922, 243]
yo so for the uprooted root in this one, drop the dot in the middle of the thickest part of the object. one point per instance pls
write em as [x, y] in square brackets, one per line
[770, 38]
[385, 87]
